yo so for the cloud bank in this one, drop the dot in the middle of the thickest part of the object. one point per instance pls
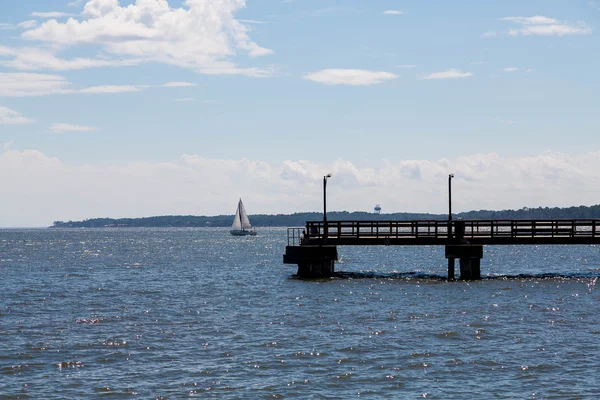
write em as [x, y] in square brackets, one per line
[38, 189]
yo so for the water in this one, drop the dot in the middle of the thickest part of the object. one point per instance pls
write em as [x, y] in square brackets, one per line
[175, 313]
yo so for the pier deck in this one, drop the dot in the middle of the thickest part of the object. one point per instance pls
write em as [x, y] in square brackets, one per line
[435, 232]
[314, 248]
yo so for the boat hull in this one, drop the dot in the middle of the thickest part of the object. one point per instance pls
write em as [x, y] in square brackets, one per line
[236, 232]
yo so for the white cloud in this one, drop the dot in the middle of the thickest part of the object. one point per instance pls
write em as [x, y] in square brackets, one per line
[551, 30]
[52, 14]
[179, 84]
[356, 77]
[26, 84]
[542, 26]
[204, 36]
[11, 117]
[30, 24]
[535, 20]
[27, 24]
[35, 58]
[450, 74]
[38, 189]
[62, 128]
[511, 69]
[75, 3]
[393, 12]
[30, 85]
[111, 89]
[252, 21]
[333, 10]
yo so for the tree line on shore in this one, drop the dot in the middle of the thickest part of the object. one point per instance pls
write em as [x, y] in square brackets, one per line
[299, 219]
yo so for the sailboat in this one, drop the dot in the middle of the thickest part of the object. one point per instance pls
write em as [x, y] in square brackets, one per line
[241, 224]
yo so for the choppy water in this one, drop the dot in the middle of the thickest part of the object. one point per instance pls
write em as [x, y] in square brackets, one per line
[172, 313]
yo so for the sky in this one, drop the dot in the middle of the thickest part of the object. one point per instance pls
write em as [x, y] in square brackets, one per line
[134, 108]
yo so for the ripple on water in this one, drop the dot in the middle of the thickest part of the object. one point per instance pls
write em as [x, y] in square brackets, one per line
[93, 320]
[452, 335]
[423, 355]
[19, 369]
[69, 364]
[115, 342]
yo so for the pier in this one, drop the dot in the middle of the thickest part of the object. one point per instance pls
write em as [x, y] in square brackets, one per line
[314, 247]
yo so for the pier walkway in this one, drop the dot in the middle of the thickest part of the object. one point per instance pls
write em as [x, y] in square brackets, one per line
[314, 248]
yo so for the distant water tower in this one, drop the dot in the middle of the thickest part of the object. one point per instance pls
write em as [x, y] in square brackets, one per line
[377, 209]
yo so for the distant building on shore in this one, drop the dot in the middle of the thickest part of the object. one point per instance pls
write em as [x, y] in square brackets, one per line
[377, 209]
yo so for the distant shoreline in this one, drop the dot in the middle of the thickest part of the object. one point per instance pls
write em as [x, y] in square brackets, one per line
[299, 219]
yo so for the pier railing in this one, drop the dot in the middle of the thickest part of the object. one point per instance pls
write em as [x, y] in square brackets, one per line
[295, 236]
[439, 229]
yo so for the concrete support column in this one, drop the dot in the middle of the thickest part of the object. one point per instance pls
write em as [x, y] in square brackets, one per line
[311, 269]
[470, 260]
[465, 269]
[476, 268]
[470, 269]
[313, 261]
[450, 269]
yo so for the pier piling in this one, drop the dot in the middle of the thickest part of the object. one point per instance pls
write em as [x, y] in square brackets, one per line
[313, 261]
[450, 269]
[470, 260]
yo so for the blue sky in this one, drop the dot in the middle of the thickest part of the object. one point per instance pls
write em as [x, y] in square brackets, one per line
[185, 106]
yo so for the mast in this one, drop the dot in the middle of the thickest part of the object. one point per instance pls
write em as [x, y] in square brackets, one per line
[240, 212]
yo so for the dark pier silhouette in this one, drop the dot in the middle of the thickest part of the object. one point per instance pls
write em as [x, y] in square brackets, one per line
[314, 248]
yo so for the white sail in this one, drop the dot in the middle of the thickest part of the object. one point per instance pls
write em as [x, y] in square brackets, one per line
[243, 216]
[237, 222]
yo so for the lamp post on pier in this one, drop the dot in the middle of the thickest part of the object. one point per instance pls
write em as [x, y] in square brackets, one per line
[450, 196]
[450, 259]
[325, 205]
